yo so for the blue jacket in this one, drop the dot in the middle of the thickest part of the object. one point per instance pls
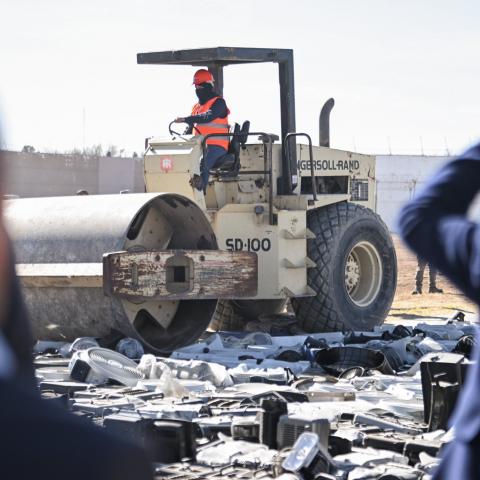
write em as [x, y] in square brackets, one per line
[435, 226]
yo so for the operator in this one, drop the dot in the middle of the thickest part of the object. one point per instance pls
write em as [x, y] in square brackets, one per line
[435, 225]
[209, 115]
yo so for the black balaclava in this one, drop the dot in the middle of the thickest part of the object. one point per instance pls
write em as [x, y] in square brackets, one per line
[206, 93]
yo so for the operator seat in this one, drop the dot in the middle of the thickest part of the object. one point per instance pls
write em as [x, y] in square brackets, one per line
[230, 162]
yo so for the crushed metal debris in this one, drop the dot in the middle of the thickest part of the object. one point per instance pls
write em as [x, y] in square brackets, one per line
[356, 405]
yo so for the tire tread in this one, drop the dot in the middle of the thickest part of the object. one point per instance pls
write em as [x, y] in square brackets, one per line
[318, 314]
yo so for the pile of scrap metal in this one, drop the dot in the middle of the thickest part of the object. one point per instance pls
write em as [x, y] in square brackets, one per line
[327, 406]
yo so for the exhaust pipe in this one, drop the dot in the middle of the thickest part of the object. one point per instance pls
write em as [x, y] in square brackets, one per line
[324, 123]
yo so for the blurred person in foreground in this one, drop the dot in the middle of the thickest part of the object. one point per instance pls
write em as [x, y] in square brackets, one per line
[41, 440]
[435, 226]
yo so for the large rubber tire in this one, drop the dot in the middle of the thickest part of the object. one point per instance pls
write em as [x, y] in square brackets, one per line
[348, 236]
[233, 315]
[226, 318]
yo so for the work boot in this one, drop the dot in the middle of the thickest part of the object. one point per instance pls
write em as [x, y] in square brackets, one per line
[434, 289]
[196, 182]
[417, 291]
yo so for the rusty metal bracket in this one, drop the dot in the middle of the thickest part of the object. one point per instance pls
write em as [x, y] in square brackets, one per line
[180, 274]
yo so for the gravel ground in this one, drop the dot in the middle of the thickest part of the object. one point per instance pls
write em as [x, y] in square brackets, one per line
[416, 308]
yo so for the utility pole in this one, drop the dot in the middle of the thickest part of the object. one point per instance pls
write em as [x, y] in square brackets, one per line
[446, 146]
[84, 123]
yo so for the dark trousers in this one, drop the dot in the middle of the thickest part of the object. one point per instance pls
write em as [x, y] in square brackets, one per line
[421, 265]
[213, 155]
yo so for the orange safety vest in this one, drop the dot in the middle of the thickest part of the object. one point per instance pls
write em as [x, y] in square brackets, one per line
[219, 125]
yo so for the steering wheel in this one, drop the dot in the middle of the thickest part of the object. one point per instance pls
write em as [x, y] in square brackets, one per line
[174, 133]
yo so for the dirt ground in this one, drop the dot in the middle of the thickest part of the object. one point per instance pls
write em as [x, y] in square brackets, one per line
[408, 307]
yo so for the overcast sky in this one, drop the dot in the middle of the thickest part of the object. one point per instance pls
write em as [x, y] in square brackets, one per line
[404, 73]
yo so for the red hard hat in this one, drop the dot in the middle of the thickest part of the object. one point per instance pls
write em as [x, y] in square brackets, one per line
[202, 76]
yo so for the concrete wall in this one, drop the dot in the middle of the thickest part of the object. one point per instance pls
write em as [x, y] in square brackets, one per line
[41, 175]
[37, 175]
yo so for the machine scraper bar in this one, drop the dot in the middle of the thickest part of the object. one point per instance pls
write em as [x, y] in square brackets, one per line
[180, 274]
[58, 275]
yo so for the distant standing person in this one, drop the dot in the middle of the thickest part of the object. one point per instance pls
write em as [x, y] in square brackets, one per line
[421, 265]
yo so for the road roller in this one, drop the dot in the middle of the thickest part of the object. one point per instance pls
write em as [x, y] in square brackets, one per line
[306, 211]
[281, 220]
[144, 265]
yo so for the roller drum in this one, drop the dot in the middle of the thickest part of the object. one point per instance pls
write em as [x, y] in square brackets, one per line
[79, 230]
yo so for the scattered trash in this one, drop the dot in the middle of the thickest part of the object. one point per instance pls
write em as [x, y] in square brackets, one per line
[130, 347]
[98, 365]
[81, 343]
[47, 347]
[165, 441]
[159, 378]
[303, 453]
[465, 345]
[291, 426]
[228, 452]
[442, 379]
[355, 405]
[339, 359]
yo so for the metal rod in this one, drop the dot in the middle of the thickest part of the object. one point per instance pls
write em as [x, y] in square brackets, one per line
[287, 113]
[310, 151]
[270, 181]
[255, 172]
[287, 174]
[217, 72]
[312, 173]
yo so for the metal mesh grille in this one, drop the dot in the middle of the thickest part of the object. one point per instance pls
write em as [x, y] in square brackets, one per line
[289, 431]
[359, 189]
[112, 363]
